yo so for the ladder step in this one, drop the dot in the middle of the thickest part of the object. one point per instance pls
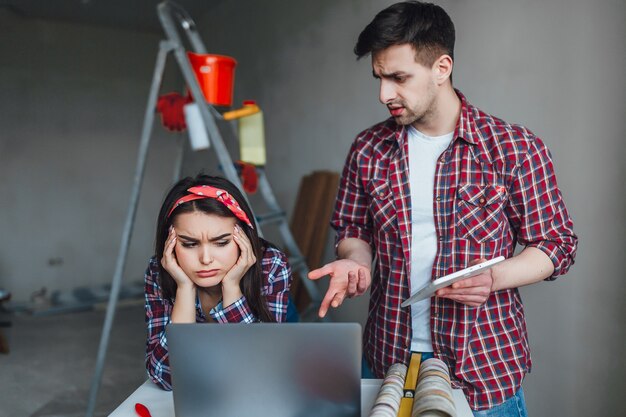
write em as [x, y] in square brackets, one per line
[297, 262]
[272, 217]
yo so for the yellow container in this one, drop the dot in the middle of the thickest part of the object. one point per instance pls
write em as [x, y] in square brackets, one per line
[252, 137]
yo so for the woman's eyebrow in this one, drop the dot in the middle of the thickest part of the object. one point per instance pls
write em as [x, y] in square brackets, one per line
[213, 239]
[189, 238]
[220, 237]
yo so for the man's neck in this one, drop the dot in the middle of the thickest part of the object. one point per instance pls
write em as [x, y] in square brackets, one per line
[445, 114]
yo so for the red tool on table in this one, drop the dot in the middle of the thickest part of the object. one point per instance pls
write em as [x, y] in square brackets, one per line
[142, 410]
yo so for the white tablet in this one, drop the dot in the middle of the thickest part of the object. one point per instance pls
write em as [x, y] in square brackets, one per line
[442, 282]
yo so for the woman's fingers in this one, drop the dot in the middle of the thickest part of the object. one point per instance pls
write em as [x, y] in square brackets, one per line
[247, 254]
[244, 262]
[169, 261]
[170, 243]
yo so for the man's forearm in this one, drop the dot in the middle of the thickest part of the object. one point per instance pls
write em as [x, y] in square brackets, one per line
[356, 250]
[530, 266]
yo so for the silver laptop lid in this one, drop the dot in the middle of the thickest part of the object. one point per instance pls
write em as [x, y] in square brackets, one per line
[266, 369]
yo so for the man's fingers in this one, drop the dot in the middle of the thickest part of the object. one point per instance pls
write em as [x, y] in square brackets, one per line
[338, 300]
[347, 280]
[478, 261]
[320, 272]
[477, 293]
[362, 283]
[333, 298]
[352, 284]
[325, 304]
[470, 300]
[464, 283]
[482, 280]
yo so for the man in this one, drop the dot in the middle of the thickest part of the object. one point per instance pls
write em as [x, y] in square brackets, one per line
[437, 187]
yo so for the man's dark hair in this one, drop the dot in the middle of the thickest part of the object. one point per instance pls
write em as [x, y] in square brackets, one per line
[426, 26]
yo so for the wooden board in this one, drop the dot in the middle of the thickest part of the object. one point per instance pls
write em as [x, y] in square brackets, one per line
[310, 224]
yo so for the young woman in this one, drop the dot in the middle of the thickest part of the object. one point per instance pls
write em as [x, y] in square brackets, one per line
[210, 267]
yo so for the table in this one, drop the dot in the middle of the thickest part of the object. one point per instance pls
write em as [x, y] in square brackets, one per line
[161, 403]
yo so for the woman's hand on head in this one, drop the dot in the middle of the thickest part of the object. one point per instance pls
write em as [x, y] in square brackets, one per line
[170, 263]
[244, 262]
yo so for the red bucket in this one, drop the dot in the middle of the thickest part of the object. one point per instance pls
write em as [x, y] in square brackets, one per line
[216, 76]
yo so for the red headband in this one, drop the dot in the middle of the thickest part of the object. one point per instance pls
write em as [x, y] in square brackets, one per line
[206, 191]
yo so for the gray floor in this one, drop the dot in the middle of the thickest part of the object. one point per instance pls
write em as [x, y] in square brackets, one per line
[49, 369]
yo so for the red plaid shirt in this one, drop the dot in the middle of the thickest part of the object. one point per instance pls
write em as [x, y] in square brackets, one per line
[494, 187]
[277, 279]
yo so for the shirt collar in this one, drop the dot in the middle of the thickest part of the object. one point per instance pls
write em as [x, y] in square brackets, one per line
[463, 128]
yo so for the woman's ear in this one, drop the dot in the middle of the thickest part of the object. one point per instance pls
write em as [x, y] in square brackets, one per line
[442, 69]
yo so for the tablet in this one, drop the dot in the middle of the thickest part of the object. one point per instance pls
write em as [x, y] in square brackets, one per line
[442, 282]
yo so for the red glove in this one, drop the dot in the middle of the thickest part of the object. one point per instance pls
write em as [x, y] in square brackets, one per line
[171, 108]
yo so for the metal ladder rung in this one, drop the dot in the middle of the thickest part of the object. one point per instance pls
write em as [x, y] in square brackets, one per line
[270, 218]
[297, 262]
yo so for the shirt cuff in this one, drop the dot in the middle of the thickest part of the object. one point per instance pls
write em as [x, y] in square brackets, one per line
[237, 312]
[353, 232]
[554, 253]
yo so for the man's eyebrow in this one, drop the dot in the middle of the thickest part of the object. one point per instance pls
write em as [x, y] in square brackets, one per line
[390, 75]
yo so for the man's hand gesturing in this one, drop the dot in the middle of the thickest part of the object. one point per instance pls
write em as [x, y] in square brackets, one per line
[347, 279]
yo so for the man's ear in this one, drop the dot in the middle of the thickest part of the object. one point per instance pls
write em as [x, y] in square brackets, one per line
[442, 68]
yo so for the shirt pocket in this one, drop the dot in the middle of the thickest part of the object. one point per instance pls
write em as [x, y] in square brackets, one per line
[480, 212]
[382, 208]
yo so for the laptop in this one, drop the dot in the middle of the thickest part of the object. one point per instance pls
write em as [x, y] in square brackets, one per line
[266, 369]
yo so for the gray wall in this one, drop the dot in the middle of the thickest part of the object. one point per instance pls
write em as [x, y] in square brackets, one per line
[71, 116]
[72, 100]
[556, 67]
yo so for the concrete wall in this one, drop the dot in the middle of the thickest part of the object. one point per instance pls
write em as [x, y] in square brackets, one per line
[73, 98]
[557, 67]
[71, 109]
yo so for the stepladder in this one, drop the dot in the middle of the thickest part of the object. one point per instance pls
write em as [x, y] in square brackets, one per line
[175, 20]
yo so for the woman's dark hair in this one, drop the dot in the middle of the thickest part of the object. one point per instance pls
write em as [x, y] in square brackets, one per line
[252, 281]
[426, 26]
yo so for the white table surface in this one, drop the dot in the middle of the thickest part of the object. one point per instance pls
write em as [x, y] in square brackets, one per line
[161, 403]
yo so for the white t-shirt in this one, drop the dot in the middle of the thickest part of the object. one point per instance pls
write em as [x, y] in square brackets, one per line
[424, 151]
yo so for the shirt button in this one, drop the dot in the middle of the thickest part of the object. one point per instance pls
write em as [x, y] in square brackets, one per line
[481, 201]
[381, 194]
[438, 198]
[441, 238]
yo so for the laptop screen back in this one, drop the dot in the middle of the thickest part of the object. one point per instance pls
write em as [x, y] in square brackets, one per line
[266, 369]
